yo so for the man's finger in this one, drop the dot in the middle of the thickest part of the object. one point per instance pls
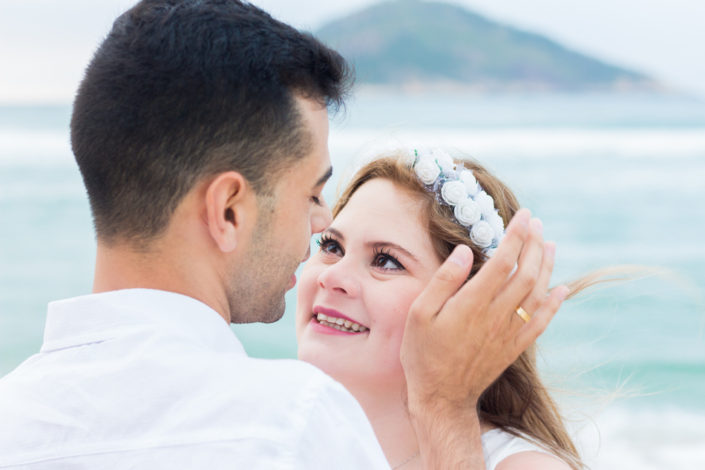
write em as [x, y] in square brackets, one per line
[524, 279]
[444, 283]
[534, 300]
[493, 275]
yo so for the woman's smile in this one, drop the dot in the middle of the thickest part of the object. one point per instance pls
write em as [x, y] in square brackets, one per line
[330, 321]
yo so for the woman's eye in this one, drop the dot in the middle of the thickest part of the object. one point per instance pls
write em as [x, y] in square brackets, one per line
[330, 246]
[387, 262]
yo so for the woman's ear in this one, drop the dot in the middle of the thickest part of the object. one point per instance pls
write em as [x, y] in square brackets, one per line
[228, 202]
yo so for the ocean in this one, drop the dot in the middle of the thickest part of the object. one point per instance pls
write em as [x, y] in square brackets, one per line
[616, 179]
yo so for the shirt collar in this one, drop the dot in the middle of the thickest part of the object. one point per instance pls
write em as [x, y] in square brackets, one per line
[99, 317]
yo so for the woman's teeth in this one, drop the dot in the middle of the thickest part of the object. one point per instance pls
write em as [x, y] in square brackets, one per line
[340, 324]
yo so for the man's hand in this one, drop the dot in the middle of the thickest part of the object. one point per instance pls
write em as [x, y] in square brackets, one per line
[460, 338]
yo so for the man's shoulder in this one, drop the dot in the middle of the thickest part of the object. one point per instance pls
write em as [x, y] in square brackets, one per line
[290, 378]
[287, 369]
[172, 400]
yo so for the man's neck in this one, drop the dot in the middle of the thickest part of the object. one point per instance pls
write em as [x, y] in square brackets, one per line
[119, 266]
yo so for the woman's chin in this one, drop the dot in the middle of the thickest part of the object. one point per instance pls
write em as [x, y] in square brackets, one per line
[331, 371]
[325, 360]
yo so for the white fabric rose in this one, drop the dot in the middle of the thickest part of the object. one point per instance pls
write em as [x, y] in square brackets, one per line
[498, 237]
[470, 182]
[467, 212]
[409, 157]
[453, 192]
[427, 170]
[496, 222]
[485, 202]
[444, 160]
[425, 154]
[482, 234]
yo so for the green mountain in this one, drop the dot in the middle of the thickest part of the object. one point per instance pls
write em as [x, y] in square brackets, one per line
[414, 43]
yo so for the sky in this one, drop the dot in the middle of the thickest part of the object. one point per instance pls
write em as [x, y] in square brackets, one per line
[46, 44]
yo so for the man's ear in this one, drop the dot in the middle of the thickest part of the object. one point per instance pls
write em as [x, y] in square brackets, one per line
[228, 203]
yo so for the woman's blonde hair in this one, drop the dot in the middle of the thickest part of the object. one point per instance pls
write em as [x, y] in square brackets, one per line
[517, 402]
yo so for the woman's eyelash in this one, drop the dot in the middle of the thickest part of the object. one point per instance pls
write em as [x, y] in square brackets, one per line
[380, 256]
[387, 256]
[327, 243]
[324, 239]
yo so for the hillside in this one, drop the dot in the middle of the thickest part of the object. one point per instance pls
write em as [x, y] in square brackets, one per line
[418, 43]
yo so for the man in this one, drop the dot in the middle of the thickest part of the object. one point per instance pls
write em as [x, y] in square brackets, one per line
[200, 130]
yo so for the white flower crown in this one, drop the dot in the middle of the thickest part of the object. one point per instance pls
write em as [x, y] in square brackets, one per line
[456, 186]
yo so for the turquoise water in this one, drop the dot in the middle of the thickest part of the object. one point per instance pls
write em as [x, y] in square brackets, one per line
[615, 179]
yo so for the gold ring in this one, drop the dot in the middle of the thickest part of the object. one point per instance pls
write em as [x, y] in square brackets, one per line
[523, 315]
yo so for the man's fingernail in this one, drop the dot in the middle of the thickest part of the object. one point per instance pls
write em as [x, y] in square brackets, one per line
[563, 292]
[460, 256]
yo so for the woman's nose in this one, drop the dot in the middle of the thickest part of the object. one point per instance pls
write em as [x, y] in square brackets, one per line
[340, 277]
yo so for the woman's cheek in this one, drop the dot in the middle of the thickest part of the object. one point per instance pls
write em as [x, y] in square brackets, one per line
[306, 292]
[399, 308]
[396, 310]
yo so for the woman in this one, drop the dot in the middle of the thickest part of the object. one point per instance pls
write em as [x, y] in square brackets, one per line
[397, 220]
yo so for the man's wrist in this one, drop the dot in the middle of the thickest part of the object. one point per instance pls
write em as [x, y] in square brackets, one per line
[443, 412]
[449, 435]
[420, 405]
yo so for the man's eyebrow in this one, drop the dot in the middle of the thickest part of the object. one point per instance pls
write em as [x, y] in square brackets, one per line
[322, 180]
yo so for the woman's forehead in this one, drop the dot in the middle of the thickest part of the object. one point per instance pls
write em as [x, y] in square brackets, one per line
[382, 208]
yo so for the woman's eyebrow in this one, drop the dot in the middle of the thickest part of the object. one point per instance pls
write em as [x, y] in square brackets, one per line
[336, 233]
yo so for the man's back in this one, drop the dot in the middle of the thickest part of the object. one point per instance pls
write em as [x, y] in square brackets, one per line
[150, 379]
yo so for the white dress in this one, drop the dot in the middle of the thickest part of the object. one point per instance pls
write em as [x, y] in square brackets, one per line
[497, 445]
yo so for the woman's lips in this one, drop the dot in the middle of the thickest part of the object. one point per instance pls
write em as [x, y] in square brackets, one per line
[330, 320]
[333, 329]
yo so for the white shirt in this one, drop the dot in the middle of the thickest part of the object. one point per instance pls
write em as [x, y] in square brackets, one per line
[497, 445]
[145, 379]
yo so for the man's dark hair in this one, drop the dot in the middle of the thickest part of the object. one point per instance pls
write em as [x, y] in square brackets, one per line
[180, 90]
